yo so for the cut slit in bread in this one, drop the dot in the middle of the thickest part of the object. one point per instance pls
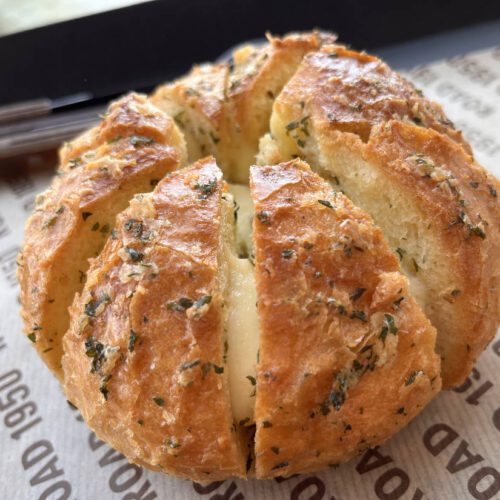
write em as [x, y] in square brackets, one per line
[241, 297]
[224, 109]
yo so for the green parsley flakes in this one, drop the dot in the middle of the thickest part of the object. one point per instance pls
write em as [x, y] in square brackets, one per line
[134, 255]
[326, 203]
[412, 376]
[263, 217]
[132, 340]
[357, 294]
[159, 400]
[287, 254]
[206, 189]
[389, 326]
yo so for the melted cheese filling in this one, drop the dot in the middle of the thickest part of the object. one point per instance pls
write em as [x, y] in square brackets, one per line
[242, 321]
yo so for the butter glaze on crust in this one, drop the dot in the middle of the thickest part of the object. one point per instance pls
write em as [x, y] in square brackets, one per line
[458, 196]
[346, 355]
[354, 91]
[153, 306]
[369, 132]
[131, 149]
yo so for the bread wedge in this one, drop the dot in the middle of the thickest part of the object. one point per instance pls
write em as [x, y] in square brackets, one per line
[128, 152]
[145, 356]
[346, 356]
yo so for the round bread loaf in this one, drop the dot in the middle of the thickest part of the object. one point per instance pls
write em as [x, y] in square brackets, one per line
[254, 322]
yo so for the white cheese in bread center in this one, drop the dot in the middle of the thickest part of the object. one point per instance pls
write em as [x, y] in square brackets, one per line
[242, 320]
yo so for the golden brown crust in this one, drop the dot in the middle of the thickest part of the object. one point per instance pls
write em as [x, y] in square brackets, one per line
[461, 199]
[134, 145]
[346, 355]
[341, 106]
[151, 320]
[354, 91]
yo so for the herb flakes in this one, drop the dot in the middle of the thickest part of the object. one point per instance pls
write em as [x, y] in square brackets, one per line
[397, 302]
[75, 162]
[218, 369]
[135, 226]
[159, 400]
[92, 306]
[356, 314]
[140, 140]
[263, 217]
[281, 465]
[206, 189]
[400, 252]
[131, 341]
[181, 305]
[412, 376]
[389, 326]
[173, 443]
[416, 267]
[326, 203]
[190, 364]
[287, 254]
[205, 299]
[134, 255]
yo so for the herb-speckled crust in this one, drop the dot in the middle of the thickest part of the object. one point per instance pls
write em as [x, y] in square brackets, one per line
[224, 108]
[342, 107]
[465, 213]
[153, 305]
[354, 91]
[131, 149]
[346, 355]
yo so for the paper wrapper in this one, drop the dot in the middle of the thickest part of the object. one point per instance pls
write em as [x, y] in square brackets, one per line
[450, 451]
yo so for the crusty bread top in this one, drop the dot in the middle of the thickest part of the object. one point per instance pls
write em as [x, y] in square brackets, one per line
[144, 357]
[259, 73]
[354, 91]
[130, 150]
[346, 355]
